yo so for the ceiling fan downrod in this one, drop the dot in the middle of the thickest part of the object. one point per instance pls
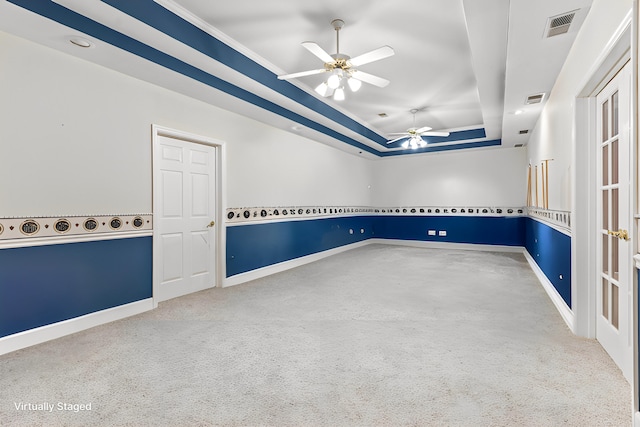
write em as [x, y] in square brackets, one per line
[337, 25]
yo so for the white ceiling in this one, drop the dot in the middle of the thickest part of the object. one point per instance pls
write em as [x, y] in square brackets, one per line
[466, 64]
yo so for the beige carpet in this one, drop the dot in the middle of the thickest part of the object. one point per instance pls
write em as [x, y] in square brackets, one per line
[377, 336]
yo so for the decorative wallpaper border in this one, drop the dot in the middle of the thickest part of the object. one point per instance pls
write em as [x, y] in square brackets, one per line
[57, 226]
[251, 214]
[557, 218]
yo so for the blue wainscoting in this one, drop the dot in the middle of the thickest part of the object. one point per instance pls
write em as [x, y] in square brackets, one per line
[41, 285]
[254, 246]
[551, 250]
[508, 231]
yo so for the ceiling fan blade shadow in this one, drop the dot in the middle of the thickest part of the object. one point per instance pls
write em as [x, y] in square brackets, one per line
[318, 51]
[374, 55]
[301, 74]
[434, 133]
[370, 78]
[397, 139]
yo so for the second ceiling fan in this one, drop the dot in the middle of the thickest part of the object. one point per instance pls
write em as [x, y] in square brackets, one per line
[414, 135]
[342, 67]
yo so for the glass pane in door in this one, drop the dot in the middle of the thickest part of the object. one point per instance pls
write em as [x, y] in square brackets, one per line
[605, 210]
[605, 121]
[605, 299]
[605, 254]
[614, 306]
[614, 114]
[614, 162]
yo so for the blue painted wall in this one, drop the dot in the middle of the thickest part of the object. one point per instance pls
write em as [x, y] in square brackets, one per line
[41, 285]
[551, 250]
[254, 246]
[47, 284]
[508, 231]
[259, 245]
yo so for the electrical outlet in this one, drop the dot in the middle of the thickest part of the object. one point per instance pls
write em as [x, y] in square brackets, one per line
[442, 233]
[432, 232]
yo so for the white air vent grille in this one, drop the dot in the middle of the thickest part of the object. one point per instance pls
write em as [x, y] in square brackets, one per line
[523, 132]
[560, 24]
[534, 99]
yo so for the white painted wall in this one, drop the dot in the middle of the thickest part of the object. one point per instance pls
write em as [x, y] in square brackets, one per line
[75, 139]
[552, 137]
[270, 167]
[482, 177]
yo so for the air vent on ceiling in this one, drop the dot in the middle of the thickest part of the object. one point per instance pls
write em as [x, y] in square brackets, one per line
[559, 24]
[534, 99]
[519, 145]
[382, 114]
[523, 132]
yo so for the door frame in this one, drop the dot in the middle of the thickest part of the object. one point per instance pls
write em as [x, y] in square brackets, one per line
[584, 200]
[620, 49]
[158, 131]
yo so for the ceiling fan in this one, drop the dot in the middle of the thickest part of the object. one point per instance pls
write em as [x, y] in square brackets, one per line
[342, 67]
[414, 135]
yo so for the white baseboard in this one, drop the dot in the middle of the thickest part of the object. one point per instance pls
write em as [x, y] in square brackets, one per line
[45, 333]
[563, 308]
[56, 330]
[286, 265]
[636, 419]
[448, 245]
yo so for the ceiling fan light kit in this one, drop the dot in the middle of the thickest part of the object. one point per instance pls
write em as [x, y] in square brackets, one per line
[354, 84]
[414, 142]
[341, 67]
[338, 95]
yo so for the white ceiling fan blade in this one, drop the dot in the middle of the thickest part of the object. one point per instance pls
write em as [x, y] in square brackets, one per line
[301, 74]
[400, 133]
[318, 51]
[370, 78]
[424, 129]
[397, 139]
[374, 55]
[434, 133]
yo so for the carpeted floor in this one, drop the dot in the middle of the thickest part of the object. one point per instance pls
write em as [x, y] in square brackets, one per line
[377, 336]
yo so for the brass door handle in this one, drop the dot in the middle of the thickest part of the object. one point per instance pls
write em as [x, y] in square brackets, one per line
[620, 234]
[211, 224]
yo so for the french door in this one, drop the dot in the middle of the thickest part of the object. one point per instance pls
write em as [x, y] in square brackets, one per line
[614, 280]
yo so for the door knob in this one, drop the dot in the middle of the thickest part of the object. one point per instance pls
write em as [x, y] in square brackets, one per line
[211, 224]
[620, 234]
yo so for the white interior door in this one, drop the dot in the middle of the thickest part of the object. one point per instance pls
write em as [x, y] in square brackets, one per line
[184, 212]
[614, 299]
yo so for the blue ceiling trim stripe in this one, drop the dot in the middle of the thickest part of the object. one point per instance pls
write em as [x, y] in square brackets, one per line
[460, 135]
[427, 149]
[156, 16]
[71, 19]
